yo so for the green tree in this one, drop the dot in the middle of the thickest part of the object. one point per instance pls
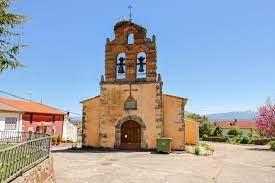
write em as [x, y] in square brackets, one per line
[196, 117]
[217, 131]
[9, 38]
[206, 127]
[235, 132]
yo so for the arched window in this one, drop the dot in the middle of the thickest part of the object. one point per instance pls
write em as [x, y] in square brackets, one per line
[120, 66]
[131, 39]
[141, 65]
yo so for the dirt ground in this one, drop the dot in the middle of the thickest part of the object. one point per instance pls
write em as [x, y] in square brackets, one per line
[230, 163]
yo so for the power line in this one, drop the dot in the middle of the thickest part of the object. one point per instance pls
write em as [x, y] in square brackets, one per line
[16, 96]
[12, 95]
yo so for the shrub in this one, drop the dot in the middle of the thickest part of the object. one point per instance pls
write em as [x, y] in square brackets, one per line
[235, 140]
[218, 131]
[260, 141]
[245, 140]
[197, 150]
[54, 139]
[204, 136]
[235, 132]
[59, 139]
[207, 128]
[272, 145]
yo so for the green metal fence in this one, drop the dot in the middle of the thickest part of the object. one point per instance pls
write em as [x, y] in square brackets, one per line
[27, 150]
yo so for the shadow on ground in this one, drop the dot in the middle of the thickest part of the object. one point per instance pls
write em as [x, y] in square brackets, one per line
[260, 149]
[79, 150]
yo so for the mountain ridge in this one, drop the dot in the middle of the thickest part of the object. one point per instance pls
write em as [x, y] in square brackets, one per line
[248, 115]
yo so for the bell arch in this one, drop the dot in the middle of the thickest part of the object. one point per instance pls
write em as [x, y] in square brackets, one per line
[141, 65]
[135, 118]
[121, 66]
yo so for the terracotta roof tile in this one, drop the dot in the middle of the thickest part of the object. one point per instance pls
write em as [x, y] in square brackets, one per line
[242, 124]
[6, 107]
[29, 106]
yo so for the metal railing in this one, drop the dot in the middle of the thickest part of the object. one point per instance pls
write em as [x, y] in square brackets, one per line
[11, 137]
[26, 151]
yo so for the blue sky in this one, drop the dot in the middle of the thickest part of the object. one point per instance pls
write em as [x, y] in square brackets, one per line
[218, 54]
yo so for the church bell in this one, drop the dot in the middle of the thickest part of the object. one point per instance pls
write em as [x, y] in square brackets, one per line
[120, 70]
[141, 59]
[120, 65]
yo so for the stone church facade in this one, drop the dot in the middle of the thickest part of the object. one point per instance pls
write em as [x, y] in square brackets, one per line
[132, 111]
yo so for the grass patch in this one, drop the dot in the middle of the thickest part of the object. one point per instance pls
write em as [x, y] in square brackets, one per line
[202, 149]
[197, 150]
[272, 145]
[4, 146]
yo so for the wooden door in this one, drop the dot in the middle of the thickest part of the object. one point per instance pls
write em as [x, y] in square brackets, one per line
[130, 135]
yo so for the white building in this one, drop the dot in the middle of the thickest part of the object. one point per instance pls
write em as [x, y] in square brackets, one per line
[10, 118]
[69, 131]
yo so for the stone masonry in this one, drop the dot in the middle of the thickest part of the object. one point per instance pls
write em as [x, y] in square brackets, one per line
[120, 45]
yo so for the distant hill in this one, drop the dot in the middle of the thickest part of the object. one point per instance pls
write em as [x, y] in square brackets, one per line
[232, 115]
[76, 119]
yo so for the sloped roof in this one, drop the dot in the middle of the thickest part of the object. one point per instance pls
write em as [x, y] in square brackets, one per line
[5, 107]
[169, 95]
[89, 99]
[29, 106]
[242, 124]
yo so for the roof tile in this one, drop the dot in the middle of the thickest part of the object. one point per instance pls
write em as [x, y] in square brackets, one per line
[29, 106]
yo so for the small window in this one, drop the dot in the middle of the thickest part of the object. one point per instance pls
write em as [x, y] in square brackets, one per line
[10, 123]
[131, 39]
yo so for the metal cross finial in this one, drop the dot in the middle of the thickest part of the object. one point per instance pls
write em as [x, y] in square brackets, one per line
[130, 11]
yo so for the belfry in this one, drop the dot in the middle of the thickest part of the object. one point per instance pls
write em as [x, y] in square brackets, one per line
[131, 111]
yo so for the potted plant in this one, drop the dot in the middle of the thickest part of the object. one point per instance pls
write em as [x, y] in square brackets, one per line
[58, 140]
[54, 140]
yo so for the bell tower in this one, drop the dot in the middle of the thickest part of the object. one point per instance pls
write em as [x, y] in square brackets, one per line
[130, 90]
[131, 56]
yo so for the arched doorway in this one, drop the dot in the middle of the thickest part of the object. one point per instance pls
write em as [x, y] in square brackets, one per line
[130, 137]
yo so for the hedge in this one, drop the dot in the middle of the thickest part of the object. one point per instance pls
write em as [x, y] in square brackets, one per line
[216, 139]
[261, 141]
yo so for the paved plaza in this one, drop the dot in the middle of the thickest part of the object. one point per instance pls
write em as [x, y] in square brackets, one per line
[230, 163]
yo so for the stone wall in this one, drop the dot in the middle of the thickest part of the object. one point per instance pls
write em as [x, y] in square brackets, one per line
[90, 126]
[173, 107]
[41, 173]
[112, 98]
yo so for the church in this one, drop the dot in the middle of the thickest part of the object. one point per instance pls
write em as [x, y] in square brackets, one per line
[132, 111]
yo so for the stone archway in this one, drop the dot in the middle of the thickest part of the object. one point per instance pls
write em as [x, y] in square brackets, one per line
[137, 119]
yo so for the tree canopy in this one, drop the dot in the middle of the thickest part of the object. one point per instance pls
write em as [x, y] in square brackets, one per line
[266, 119]
[196, 117]
[9, 37]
